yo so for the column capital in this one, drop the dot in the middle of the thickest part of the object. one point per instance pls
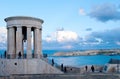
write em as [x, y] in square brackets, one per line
[28, 27]
[19, 26]
[40, 29]
[10, 27]
[37, 27]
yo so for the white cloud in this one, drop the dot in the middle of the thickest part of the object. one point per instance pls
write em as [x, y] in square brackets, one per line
[105, 12]
[67, 47]
[82, 11]
[62, 36]
[48, 39]
[3, 37]
[66, 36]
[3, 34]
[51, 37]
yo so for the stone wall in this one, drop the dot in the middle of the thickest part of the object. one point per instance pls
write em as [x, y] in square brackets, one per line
[26, 66]
[112, 68]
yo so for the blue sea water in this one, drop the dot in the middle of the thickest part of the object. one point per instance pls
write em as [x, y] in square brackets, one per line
[48, 52]
[77, 61]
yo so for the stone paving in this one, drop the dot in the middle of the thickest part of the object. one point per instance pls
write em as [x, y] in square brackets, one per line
[65, 76]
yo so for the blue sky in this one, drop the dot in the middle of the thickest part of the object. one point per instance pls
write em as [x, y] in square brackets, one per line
[69, 24]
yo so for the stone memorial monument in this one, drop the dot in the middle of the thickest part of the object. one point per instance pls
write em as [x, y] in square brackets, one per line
[21, 30]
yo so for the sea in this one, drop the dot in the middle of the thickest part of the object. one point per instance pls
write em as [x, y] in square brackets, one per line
[77, 61]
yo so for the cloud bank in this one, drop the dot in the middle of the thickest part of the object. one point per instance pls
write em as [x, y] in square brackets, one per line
[69, 40]
[66, 36]
[108, 36]
[105, 12]
[96, 40]
[60, 39]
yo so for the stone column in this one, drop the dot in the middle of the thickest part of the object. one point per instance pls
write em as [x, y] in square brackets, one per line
[37, 47]
[19, 41]
[11, 43]
[40, 40]
[29, 49]
[8, 41]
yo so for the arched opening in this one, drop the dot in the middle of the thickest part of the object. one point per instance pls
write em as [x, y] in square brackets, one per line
[33, 53]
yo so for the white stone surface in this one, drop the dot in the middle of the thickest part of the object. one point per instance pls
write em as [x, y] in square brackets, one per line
[11, 42]
[113, 68]
[19, 46]
[23, 21]
[40, 48]
[29, 49]
[26, 66]
[37, 42]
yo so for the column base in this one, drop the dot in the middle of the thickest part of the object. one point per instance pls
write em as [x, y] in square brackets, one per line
[29, 56]
[10, 56]
[37, 56]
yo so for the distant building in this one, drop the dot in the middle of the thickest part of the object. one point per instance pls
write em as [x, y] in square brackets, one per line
[113, 65]
[114, 61]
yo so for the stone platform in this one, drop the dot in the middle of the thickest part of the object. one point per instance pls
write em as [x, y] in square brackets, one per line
[26, 66]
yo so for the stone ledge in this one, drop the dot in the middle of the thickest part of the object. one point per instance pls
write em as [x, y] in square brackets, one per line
[64, 76]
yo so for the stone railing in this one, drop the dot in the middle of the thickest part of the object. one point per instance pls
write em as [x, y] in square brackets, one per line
[15, 56]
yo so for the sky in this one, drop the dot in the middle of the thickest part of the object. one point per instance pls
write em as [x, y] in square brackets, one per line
[68, 24]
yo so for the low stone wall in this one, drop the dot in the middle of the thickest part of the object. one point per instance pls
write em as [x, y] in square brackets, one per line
[112, 68]
[65, 76]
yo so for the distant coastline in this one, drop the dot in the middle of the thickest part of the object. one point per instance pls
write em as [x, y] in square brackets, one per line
[109, 52]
